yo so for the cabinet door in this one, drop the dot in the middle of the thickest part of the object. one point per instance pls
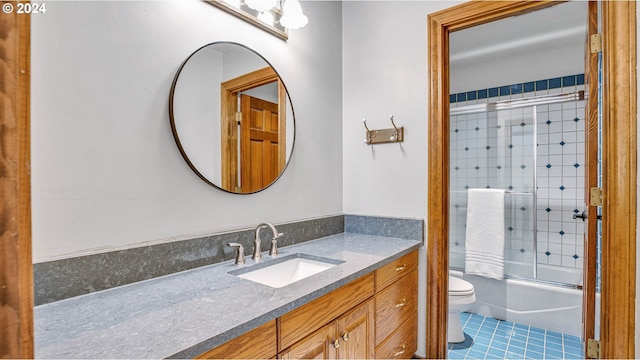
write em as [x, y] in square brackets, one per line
[356, 332]
[259, 343]
[319, 345]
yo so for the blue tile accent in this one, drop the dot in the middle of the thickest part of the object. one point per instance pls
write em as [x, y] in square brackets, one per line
[497, 339]
[554, 83]
[548, 122]
[562, 187]
[538, 85]
[548, 166]
[575, 256]
[516, 89]
[542, 85]
[547, 253]
[562, 143]
[547, 209]
[576, 165]
[569, 80]
[562, 233]
[529, 86]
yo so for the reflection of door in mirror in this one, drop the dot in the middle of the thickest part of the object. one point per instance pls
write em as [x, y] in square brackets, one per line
[253, 131]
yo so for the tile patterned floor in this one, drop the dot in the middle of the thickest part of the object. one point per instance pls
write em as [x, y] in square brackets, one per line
[489, 338]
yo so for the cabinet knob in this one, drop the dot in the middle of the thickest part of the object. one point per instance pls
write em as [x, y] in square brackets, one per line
[345, 336]
[336, 343]
[400, 304]
[400, 268]
[401, 351]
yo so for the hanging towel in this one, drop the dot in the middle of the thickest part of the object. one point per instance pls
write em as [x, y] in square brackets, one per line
[484, 240]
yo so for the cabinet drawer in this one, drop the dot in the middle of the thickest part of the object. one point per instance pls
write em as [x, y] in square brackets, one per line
[298, 323]
[259, 343]
[402, 343]
[395, 304]
[393, 271]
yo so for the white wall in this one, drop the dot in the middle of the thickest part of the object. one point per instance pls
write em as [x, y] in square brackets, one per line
[385, 72]
[106, 171]
[515, 69]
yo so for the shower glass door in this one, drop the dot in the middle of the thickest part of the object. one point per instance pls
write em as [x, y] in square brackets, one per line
[533, 149]
[496, 149]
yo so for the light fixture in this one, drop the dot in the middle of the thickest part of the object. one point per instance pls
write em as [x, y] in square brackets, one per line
[291, 10]
[266, 17]
[261, 5]
[274, 16]
[292, 16]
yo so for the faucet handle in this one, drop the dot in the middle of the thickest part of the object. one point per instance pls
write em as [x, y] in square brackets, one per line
[239, 253]
[273, 251]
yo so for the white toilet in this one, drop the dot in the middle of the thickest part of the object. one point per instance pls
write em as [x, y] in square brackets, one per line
[461, 297]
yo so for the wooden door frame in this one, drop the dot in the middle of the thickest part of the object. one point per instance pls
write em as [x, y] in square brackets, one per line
[229, 106]
[619, 164]
[16, 274]
[589, 279]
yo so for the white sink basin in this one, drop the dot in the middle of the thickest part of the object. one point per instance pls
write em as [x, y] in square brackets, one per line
[286, 270]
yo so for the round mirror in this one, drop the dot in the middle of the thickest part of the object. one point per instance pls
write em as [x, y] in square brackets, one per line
[232, 118]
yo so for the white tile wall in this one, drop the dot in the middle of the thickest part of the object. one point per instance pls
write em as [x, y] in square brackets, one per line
[495, 149]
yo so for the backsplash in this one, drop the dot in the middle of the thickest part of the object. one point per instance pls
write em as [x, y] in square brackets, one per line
[60, 279]
[495, 149]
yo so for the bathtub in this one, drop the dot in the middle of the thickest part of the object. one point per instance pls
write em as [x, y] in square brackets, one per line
[550, 307]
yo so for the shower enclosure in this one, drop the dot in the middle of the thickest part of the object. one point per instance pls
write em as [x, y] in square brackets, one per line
[534, 149]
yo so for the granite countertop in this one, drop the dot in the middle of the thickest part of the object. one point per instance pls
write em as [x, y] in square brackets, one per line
[185, 314]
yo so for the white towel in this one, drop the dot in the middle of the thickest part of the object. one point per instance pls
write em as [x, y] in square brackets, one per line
[484, 240]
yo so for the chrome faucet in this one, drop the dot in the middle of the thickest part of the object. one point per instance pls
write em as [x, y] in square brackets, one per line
[273, 251]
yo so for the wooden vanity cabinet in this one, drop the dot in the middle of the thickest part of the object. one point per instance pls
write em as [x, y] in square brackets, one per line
[374, 316]
[259, 343]
[396, 302]
[348, 337]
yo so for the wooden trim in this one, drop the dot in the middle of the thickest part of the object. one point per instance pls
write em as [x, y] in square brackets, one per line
[16, 290]
[619, 134]
[591, 180]
[229, 102]
[440, 25]
[619, 130]
[228, 107]
[282, 126]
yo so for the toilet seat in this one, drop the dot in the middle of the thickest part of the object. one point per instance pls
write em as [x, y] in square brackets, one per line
[459, 287]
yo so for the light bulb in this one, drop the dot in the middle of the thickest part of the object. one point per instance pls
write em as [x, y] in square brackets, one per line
[261, 5]
[292, 16]
[266, 17]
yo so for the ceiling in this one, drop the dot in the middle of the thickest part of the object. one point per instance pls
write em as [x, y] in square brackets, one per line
[555, 26]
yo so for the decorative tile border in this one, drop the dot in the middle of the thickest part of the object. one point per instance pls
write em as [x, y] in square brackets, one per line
[516, 89]
[61, 279]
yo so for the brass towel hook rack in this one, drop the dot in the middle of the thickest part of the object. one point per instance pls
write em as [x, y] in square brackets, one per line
[381, 136]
